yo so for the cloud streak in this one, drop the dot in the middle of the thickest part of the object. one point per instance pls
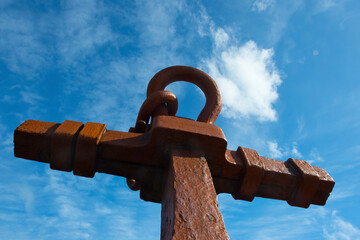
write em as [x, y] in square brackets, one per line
[272, 221]
[262, 5]
[277, 152]
[21, 48]
[82, 28]
[340, 229]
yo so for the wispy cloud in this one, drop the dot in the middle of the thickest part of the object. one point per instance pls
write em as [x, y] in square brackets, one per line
[344, 190]
[301, 124]
[275, 151]
[280, 17]
[115, 88]
[221, 38]
[82, 28]
[156, 21]
[340, 229]
[295, 152]
[6, 142]
[262, 5]
[272, 221]
[30, 43]
[27, 196]
[324, 5]
[99, 213]
[30, 97]
[315, 156]
[312, 223]
[21, 48]
[69, 207]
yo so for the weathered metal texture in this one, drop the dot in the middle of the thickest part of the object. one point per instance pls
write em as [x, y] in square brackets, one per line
[142, 156]
[189, 205]
[63, 145]
[86, 148]
[167, 158]
[188, 74]
[150, 105]
[32, 140]
[253, 175]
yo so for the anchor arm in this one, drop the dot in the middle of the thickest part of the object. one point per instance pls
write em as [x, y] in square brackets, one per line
[143, 156]
[246, 175]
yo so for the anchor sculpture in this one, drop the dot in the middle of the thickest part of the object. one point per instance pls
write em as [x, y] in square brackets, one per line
[181, 163]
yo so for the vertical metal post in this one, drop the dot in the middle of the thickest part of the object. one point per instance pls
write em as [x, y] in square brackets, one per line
[189, 204]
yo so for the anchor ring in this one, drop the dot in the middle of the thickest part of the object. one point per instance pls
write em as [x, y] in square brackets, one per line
[172, 74]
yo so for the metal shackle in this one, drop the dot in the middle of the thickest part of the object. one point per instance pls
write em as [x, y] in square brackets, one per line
[153, 101]
[172, 74]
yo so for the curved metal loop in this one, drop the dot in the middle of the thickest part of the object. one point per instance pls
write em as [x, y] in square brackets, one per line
[169, 75]
[151, 103]
[146, 111]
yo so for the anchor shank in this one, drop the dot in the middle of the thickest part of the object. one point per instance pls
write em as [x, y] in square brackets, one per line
[189, 203]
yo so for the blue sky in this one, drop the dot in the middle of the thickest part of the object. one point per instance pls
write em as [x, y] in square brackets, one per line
[288, 72]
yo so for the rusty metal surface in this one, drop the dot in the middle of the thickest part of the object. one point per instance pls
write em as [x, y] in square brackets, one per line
[162, 159]
[189, 205]
[63, 142]
[150, 105]
[253, 175]
[192, 75]
[86, 148]
[232, 171]
[32, 140]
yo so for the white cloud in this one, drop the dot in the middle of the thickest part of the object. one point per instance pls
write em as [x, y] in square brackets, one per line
[5, 136]
[21, 48]
[30, 97]
[343, 191]
[156, 21]
[301, 124]
[81, 27]
[273, 219]
[262, 5]
[248, 80]
[27, 196]
[4, 3]
[115, 89]
[341, 229]
[274, 150]
[324, 5]
[291, 151]
[315, 156]
[31, 41]
[221, 38]
[295, 152]
[113, 97]
[81, 212]
[280, 17]
[103, 210]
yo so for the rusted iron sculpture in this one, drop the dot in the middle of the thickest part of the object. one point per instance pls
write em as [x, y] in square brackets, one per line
[181, 163]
